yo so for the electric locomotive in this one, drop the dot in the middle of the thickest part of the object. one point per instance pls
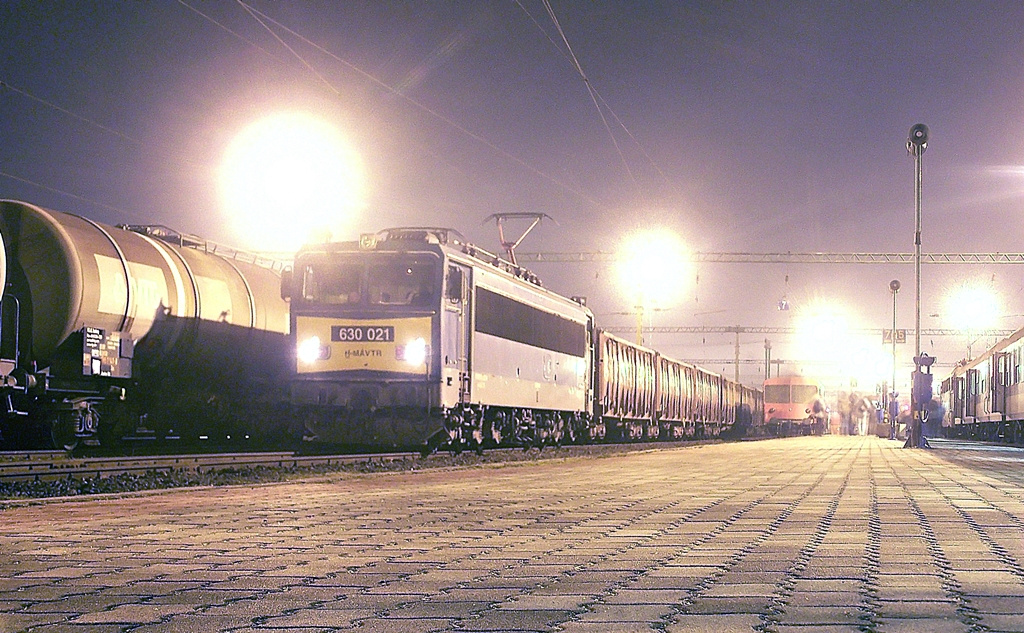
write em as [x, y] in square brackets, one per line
[414, 337]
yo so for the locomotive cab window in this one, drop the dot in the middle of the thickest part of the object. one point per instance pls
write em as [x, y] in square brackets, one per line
[776, 393]
[804, 393]
[404, 280]
[392, 279]
[331, 282]
[453, 292]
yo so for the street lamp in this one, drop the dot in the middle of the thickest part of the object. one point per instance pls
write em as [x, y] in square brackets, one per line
[916, 145]
[653, 267]
[289, 178]
[972, 308]
[893, 408]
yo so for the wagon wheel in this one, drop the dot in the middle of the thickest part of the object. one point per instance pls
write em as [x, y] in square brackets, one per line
[63, 426]
[570, 432]
[493, 430]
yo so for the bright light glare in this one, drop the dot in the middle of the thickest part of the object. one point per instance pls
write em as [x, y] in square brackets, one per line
[870, 364]
[416, 352]
[972, 307]
[290, 178]
[823, 332]
[653, 267]
[309, 350]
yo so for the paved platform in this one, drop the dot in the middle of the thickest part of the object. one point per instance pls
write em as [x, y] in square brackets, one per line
[830, 534]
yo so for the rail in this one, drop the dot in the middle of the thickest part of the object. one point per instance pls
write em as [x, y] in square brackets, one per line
[25, 466]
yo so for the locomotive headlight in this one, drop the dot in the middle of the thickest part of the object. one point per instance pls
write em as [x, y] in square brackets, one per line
[310, 350]
[414, 352]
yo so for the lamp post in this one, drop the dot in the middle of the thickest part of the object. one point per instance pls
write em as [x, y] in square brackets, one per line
[916, 145]
[894, 286]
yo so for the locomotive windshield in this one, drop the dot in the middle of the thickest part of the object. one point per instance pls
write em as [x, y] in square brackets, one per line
[776, 393]
[796, 394]
[386, 279]
[332, 282]
[804, 393]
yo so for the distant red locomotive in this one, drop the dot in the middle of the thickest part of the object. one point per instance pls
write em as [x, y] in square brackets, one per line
[793, 405]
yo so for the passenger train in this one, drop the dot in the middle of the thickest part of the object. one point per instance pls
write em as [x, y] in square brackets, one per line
[984, 397]
[409, 338]
[414, 337]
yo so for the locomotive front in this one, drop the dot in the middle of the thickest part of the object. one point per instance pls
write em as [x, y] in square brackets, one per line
[366, 324]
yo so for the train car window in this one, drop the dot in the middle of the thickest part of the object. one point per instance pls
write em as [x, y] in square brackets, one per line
[514, 320]
[404, 280]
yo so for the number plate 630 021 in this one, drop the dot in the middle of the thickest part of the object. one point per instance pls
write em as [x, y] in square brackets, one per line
[362, 333]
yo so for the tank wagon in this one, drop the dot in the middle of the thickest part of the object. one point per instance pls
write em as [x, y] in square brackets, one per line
[414, 337]
[984, 396]
[104, 327]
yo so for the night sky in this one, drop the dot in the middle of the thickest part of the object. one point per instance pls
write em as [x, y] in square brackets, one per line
[739, 126]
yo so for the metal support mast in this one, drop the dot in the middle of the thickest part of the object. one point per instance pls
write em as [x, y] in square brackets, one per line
[916, 144]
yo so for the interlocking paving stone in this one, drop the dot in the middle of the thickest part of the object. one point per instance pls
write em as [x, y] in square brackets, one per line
[132, 614]
[189, 622]
[827, 628]
[732, 623]
[917, 625]
[533, 620]
[721, 606]
[1003, 622]
[317, 618]
[604, 627]
[624, 613]
[820, 615]
[25, 621]
[808, 535]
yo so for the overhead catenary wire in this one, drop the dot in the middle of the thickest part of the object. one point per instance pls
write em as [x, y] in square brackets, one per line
[596, 94]
[7, 86]
[95, 124]
[291, 50]
[75, 196]
[265, 21]
[590, 90]
[394, 91]
[227, 30]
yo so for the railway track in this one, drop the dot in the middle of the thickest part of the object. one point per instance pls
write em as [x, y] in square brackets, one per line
[27, 466]
[40, 474]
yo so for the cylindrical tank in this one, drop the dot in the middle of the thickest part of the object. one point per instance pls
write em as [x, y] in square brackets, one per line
[208, 329]
[71, 272]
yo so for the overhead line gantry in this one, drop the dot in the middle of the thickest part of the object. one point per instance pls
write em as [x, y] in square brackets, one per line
[739, 329]
[790, 258]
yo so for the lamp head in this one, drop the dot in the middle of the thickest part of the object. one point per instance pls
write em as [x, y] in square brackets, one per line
[918, 138]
